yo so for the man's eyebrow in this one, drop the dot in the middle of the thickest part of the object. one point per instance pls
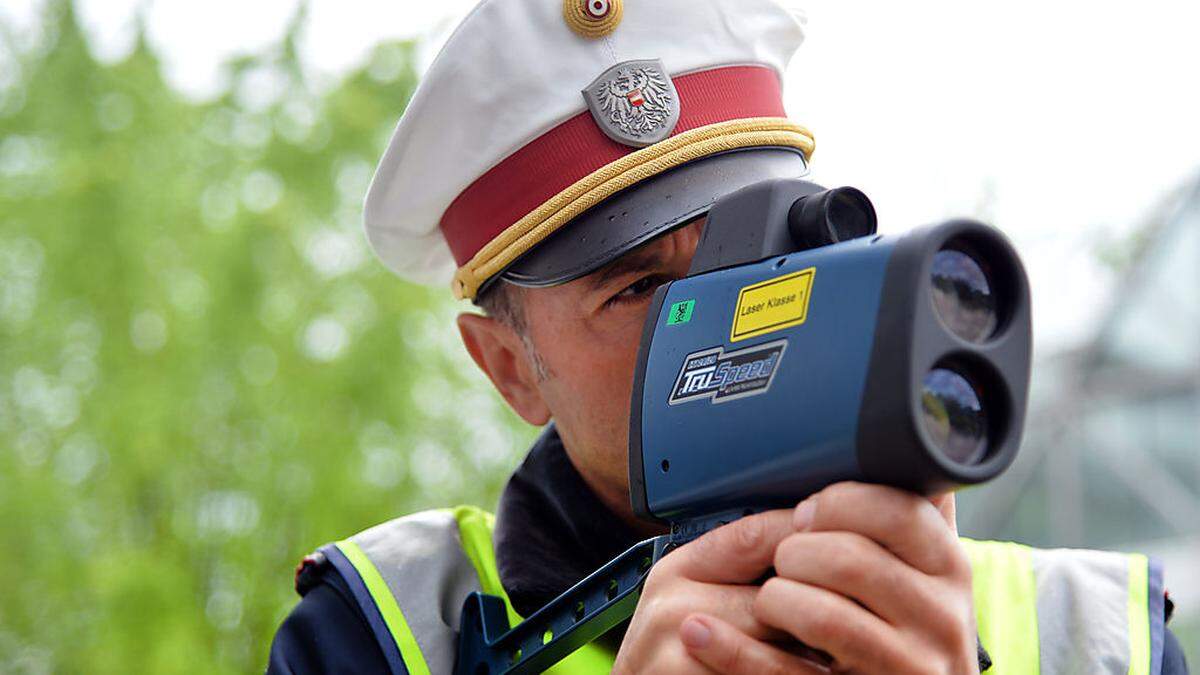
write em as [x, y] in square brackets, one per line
[632, 262]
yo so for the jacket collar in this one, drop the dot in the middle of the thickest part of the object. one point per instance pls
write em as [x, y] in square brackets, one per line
[551, 529]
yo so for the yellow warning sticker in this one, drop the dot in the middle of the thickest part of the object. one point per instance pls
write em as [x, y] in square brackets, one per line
[772, 305]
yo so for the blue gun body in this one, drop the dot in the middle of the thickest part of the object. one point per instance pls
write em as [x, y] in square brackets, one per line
[711, 442]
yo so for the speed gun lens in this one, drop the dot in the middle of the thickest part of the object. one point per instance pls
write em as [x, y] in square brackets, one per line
[953, 416]
[963, 296]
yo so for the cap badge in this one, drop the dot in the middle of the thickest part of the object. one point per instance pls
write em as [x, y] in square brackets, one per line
[592, 18]
[635, 102]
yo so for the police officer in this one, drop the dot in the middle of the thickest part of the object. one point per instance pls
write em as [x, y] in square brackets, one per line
[558, 214]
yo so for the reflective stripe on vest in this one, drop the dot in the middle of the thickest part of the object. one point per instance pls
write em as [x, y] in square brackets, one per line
[410, 577]
[1052, 611]
[1045, 612]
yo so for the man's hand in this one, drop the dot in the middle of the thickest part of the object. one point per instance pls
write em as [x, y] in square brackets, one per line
[873, 576]
[712, 576]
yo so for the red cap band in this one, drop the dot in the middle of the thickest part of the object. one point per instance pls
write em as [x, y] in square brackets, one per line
[559, 158]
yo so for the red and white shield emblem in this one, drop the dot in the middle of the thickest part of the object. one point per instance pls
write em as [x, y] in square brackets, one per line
[634, 102]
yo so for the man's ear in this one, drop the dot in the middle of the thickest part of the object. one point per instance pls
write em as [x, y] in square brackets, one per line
[500, 354]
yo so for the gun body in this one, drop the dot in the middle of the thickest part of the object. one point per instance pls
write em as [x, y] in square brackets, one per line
[758, 384]
[735, 422]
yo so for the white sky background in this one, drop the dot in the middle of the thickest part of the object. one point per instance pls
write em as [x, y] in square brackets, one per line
[1061, 122]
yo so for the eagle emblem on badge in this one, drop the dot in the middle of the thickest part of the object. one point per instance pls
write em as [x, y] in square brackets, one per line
[634, 102]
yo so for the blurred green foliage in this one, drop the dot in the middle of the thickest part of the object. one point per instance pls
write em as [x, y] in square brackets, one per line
[203, 372]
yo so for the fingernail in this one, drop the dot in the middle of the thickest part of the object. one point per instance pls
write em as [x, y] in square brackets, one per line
[804, 514]
[694, 633]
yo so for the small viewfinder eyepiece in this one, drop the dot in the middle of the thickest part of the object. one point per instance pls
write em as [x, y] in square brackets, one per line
[830, 216]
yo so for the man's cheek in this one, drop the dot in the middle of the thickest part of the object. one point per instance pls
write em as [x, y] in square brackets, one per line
[599, 396]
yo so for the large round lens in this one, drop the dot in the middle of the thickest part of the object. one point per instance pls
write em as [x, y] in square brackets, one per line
[953, 416]
[962, 295]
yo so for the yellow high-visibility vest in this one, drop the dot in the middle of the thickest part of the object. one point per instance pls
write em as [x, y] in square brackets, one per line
[1038, 611]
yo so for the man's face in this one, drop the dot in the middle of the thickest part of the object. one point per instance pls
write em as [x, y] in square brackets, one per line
[586, 334]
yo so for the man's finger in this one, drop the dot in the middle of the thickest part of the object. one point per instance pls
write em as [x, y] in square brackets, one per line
[854, 637]
[729, 602]
[737, 553]
[727, 650]
[849, 564]
[946, 506]
[904, 523]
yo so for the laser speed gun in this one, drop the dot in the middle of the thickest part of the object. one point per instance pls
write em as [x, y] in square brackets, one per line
[802, 349]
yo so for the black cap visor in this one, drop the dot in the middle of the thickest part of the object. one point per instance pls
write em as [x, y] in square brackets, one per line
[644, 211]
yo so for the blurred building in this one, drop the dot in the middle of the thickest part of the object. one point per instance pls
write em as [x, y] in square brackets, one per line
[1111, 457]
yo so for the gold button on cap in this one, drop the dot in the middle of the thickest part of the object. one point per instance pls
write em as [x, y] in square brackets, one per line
[592, 18]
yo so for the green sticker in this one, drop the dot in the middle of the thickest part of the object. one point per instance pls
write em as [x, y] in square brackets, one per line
[681, 312]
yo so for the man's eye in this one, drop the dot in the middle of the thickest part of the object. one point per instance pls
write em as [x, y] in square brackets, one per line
[637, 290]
